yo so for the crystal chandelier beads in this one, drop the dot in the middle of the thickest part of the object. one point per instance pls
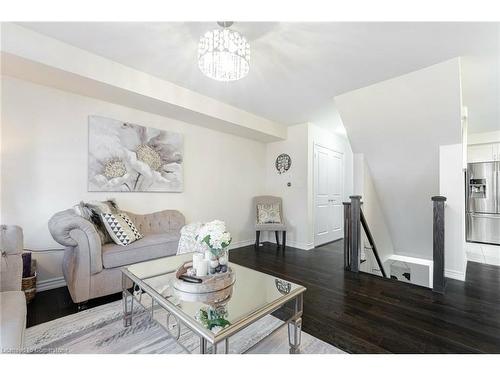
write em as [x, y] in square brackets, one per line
[224, 55]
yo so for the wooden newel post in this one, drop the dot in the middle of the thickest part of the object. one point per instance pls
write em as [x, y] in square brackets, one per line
[355, 232]
[347, 229]
[439, 282]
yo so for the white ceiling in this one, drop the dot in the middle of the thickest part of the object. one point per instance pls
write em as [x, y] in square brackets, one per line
[296, 68]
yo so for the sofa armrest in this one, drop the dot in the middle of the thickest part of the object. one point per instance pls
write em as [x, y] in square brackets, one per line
[11, 247]
[66, 227]
[158, 222]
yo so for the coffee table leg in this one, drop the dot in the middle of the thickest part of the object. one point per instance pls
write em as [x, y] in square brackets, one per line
[203, 346]
[295, 326]
[127, 299]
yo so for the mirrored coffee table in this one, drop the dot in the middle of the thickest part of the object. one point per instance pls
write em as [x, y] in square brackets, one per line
[213, 317]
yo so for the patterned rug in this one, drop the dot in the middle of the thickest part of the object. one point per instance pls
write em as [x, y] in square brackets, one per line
[100, 331]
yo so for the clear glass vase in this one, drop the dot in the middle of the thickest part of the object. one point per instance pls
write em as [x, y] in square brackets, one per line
[218, 262]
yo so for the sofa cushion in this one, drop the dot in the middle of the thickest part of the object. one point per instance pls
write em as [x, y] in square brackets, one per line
[13, 320]
[121, 228]
[92, 211]
[150, 247]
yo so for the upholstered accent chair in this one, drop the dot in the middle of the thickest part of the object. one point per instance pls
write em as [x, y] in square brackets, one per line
[92, 269]
[12, 298]
[276, 227]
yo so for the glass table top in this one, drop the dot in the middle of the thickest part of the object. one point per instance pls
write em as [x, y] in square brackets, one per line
[252, 293]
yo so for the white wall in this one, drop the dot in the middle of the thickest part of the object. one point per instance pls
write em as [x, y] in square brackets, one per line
[372, 209]
[399, 125]
[295, 197]
[44, 166]
[480, 77]
[298, 198]
[451, 186]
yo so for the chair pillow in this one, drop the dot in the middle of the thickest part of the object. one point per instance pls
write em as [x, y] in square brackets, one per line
[121, 228]
[268, 213]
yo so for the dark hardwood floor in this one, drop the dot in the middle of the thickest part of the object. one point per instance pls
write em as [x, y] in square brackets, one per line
[361, 313]
[56, 303]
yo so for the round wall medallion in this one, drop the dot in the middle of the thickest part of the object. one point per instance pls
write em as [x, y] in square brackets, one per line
[283, 163]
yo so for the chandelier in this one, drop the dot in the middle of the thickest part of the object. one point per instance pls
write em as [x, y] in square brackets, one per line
[224, 54]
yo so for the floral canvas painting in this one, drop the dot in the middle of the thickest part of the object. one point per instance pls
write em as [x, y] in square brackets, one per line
[128, 157]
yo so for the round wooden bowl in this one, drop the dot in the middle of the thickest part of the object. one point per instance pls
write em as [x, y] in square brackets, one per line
[212, 298]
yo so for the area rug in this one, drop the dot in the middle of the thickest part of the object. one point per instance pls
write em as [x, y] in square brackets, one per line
[100, 331]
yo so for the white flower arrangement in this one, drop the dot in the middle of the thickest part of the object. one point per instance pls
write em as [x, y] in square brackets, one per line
[215, 236]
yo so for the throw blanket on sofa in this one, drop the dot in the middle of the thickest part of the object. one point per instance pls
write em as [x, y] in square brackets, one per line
[187, 242]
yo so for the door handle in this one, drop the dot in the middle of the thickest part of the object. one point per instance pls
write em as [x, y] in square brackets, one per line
[490, 216]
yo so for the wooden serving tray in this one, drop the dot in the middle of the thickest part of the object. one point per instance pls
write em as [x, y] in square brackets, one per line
[210, 284]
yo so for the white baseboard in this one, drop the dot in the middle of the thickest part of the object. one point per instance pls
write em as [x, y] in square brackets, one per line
[453, 274]
[236, 245]
[297, 245]
[53, 283]
[483, 253]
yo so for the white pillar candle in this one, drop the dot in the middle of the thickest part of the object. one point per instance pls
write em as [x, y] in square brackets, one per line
[197, 257]
[202, 268]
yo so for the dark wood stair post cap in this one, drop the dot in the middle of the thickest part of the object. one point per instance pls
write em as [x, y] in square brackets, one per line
[355, 197]
[438, 198]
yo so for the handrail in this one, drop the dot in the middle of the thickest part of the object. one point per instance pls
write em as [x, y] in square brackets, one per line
[372, 243]
[354, 218]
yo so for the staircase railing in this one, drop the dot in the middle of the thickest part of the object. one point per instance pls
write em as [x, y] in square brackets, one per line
[354, 219]
[438, 279]
[372, 243]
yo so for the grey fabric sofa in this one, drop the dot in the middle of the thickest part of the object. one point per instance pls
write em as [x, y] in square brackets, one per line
[12, 299]
[92, 270]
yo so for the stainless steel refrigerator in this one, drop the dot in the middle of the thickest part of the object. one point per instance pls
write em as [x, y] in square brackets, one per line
[483, 202]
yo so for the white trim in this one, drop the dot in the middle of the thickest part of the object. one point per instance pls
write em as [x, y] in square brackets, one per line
[295, 244]
[452, 274]
[475, 257]
[55, 282]
[236, 245]
[414, 260]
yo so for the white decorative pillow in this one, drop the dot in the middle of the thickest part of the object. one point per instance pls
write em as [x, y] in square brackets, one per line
[268, 213]
[121, 228]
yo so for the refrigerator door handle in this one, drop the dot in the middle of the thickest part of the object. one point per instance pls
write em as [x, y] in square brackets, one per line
[485, 216]
[497, 187]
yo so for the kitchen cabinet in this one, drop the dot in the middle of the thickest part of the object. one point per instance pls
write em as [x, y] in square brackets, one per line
[483, 152]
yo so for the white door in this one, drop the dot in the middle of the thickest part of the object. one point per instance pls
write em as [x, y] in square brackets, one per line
[328, 184]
